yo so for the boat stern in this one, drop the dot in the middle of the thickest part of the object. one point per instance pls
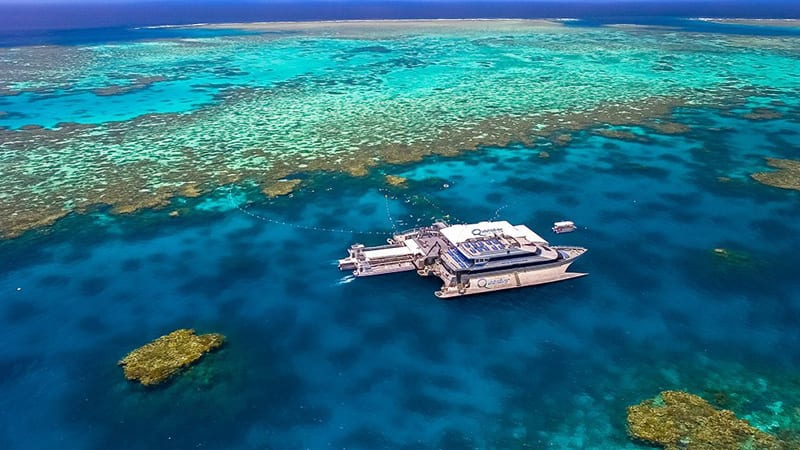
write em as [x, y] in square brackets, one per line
[351, 262]
[348, 263]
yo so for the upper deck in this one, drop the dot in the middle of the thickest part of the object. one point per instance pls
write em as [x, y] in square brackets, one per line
[457, 234]
[484, 248]
[487, 244]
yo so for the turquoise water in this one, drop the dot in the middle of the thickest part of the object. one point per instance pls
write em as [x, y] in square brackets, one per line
[502, 121]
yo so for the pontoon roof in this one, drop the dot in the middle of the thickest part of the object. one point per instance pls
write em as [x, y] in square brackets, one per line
[457, 234]
[409, 247]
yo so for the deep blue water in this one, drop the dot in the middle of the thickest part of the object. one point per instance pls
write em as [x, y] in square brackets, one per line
[145, 31]
[89, 36]
[93, 22]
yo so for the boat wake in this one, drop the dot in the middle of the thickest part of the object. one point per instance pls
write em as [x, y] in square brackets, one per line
[346, 279]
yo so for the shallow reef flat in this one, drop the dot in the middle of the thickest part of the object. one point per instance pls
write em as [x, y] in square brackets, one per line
[359, 28]
[756, 22]
[132, 125]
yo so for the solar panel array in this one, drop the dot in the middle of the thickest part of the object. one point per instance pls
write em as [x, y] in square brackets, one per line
[480, 247]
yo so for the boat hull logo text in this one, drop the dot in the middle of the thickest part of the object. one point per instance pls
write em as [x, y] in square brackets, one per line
[492, 283]
[479, 232]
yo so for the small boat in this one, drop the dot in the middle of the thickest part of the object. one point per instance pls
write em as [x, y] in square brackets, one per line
[566, 226]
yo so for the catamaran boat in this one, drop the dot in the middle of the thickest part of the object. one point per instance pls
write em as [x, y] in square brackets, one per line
[469, 258]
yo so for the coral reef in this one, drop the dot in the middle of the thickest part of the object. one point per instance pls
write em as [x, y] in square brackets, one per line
[157, 361]
[396, 181]
[621, 135]
[788, 177]
[762, 114]
[154, 177]
[280, 187]
[665, 127]
[678, 420]
[136, 83]
[190, 190]
[340, 117]
[561, 139]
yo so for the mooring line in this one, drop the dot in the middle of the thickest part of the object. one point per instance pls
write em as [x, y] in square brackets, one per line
[497, 212]
[449, 218]
[445, 214]
[389, 213]
[295, 225]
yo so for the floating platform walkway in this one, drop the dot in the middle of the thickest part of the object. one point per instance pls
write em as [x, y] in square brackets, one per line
[469, 258]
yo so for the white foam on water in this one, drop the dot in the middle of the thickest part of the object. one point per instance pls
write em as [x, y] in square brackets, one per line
[346, 279]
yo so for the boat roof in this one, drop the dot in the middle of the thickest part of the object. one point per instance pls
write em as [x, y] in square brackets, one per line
[409, 247]
[457, 234]
[485, 248]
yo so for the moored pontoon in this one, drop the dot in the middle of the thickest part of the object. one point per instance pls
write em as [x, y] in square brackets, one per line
[469, 258]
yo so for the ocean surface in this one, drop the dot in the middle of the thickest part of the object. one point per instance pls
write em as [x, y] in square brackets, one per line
[209, 178]
[19, 16]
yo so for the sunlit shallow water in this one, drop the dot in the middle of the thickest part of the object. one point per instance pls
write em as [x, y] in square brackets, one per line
[317, 360]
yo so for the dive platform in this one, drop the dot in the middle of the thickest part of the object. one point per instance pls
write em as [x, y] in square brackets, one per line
[468, 258]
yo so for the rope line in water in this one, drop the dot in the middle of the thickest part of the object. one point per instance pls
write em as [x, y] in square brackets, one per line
[441, 211]
[344, 230]
[389, 213]
[497, 212]
[296, 225]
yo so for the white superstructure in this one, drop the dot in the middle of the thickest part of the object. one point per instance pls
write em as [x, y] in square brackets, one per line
[457, 234]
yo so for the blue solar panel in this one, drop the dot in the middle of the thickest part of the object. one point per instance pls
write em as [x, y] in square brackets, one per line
[458, 258]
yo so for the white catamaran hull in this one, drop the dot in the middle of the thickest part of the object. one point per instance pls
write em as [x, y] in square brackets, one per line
[497, 281]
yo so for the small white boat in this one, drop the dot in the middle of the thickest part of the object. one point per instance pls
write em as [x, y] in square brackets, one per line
[566, 226]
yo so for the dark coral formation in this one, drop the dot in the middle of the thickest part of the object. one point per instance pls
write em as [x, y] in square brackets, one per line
[159, 360]
[137, 83]
[676, 420]
[763, 114]
[396, 180]
[280, 187]
[621, 135]
[788, 177]
[666, 127]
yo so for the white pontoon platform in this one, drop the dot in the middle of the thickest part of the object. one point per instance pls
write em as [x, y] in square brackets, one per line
[469, 258]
